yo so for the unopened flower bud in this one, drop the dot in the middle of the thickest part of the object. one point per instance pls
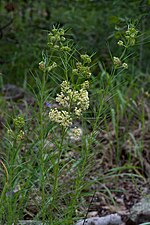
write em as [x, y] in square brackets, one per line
[61, 31]
[75, 71]
[63, 38]
[120, 43]
[86, 58]
[65, 48]
[56, 46]
[42, 65]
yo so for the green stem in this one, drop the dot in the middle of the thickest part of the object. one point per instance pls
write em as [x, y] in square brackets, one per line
[56, 172]
[42, 166]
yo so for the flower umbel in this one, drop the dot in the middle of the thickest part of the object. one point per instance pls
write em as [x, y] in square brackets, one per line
[82, 69]
[86, 58]
[73, 97]
[131, 35]
[63, 100]
[125, 65]
[117, 61]
[78, 100]
[19, 122]
[65, 86]
[75, 102]
[20, 135]
[61, 117]
[75, 133]
[78, 111]
[85, 85]
[83, 101]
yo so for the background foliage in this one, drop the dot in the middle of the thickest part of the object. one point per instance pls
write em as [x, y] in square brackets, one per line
[24, 25]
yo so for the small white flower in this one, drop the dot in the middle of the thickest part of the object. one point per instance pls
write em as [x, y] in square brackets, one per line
[125, 65]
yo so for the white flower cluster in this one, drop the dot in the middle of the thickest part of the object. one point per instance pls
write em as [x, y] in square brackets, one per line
[75, 133]
[63, 100]
[56, 36]
[131, 35]
[61, 117]
[85, 85]
[82, 68]
[83, 100]
[57, 39]
[48, 68]
[65, 86]
[74, 101]
[77, 100]
[118, 63]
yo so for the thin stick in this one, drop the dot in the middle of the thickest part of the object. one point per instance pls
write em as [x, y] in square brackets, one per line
[89, 207]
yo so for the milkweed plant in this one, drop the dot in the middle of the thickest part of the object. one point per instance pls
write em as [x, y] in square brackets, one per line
[63, 63]
[62, 111]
